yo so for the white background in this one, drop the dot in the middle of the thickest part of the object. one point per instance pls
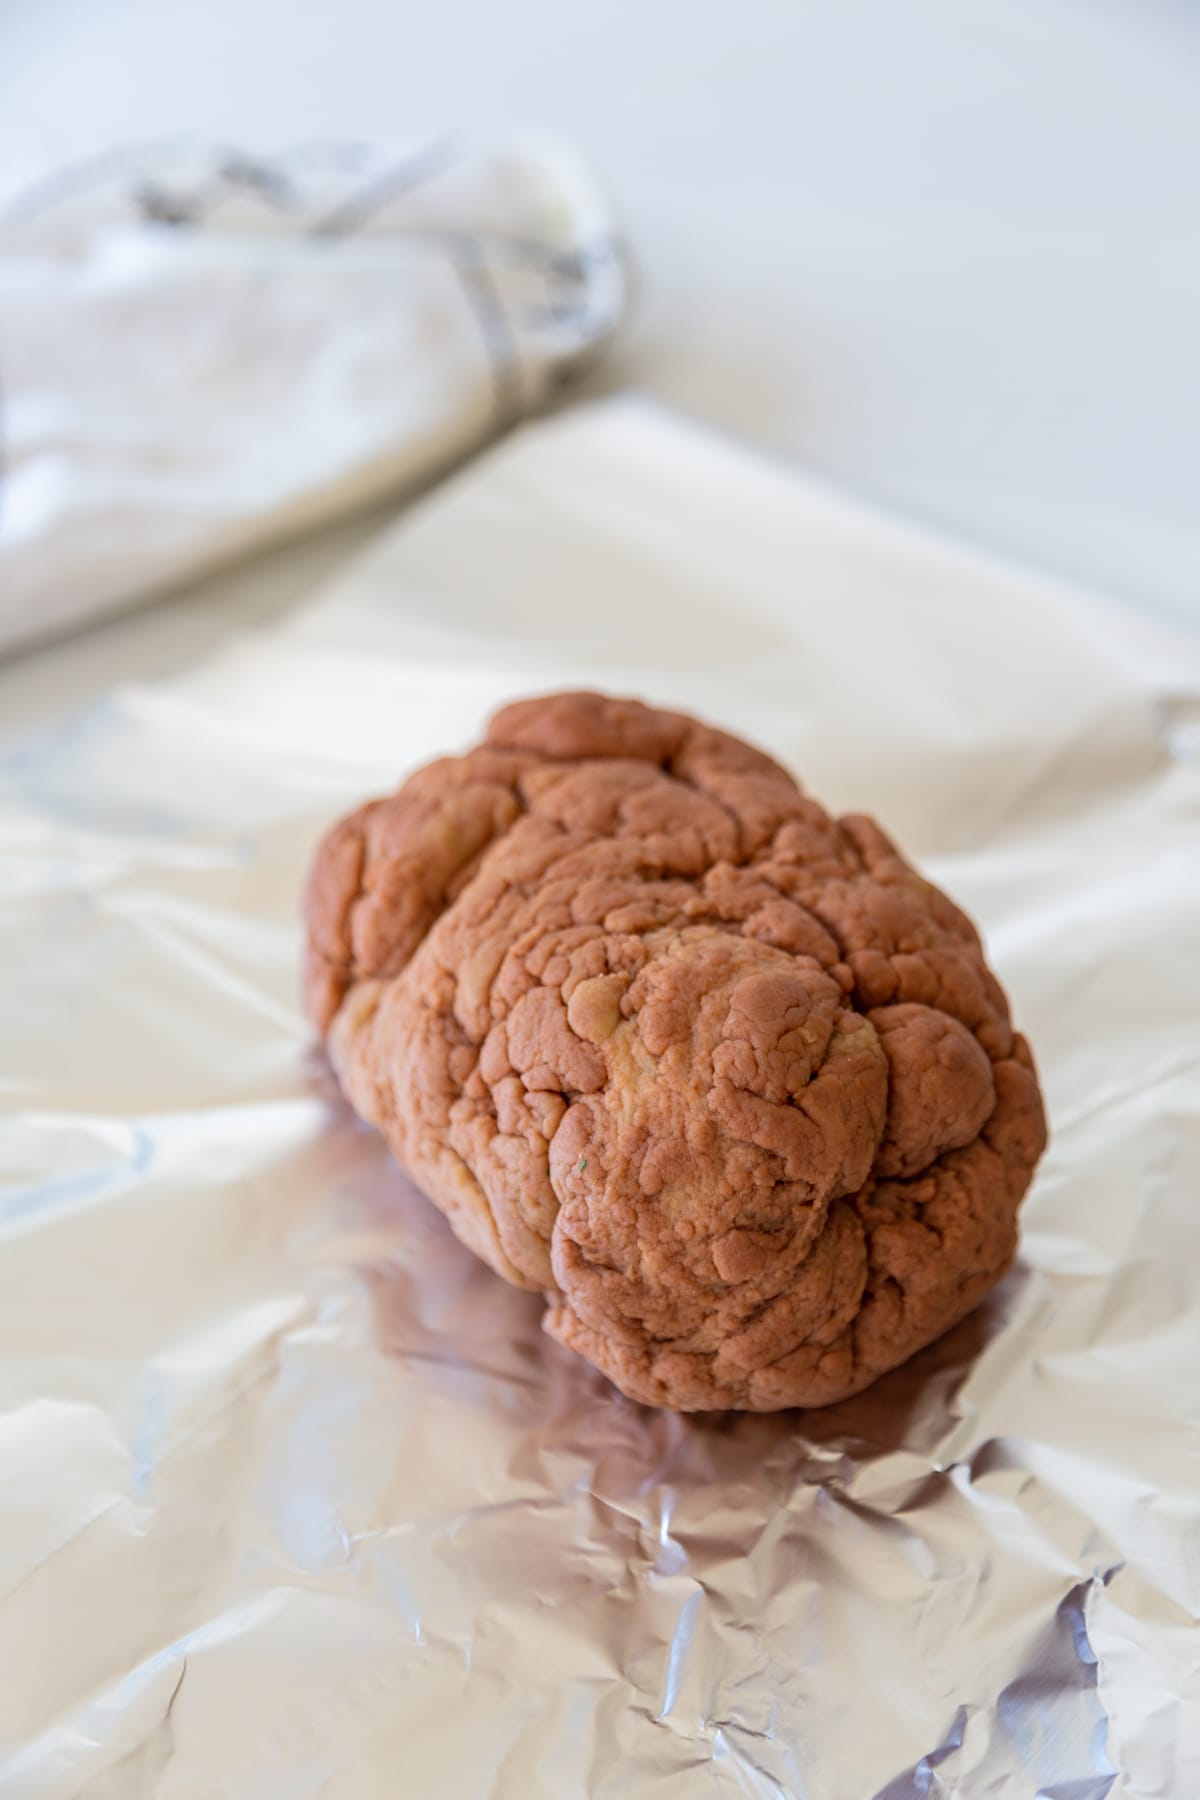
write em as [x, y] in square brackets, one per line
[946, 253]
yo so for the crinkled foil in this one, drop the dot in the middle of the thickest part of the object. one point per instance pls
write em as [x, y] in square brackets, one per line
[296, 1500]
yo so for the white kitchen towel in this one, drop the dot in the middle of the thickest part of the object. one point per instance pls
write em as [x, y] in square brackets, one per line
[201, 349]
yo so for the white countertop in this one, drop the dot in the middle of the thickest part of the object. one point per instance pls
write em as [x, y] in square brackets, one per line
[948, 258]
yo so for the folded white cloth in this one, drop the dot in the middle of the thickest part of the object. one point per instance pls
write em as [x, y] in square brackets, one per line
[201, 350]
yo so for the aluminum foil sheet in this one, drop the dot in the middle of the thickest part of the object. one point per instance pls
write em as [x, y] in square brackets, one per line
[295, 1498]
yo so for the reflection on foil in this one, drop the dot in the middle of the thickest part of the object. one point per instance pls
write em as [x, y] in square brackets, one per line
[1180, 726]
[297, 1500]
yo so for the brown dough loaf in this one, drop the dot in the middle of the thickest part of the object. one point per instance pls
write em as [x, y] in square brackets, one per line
[719, 1075]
